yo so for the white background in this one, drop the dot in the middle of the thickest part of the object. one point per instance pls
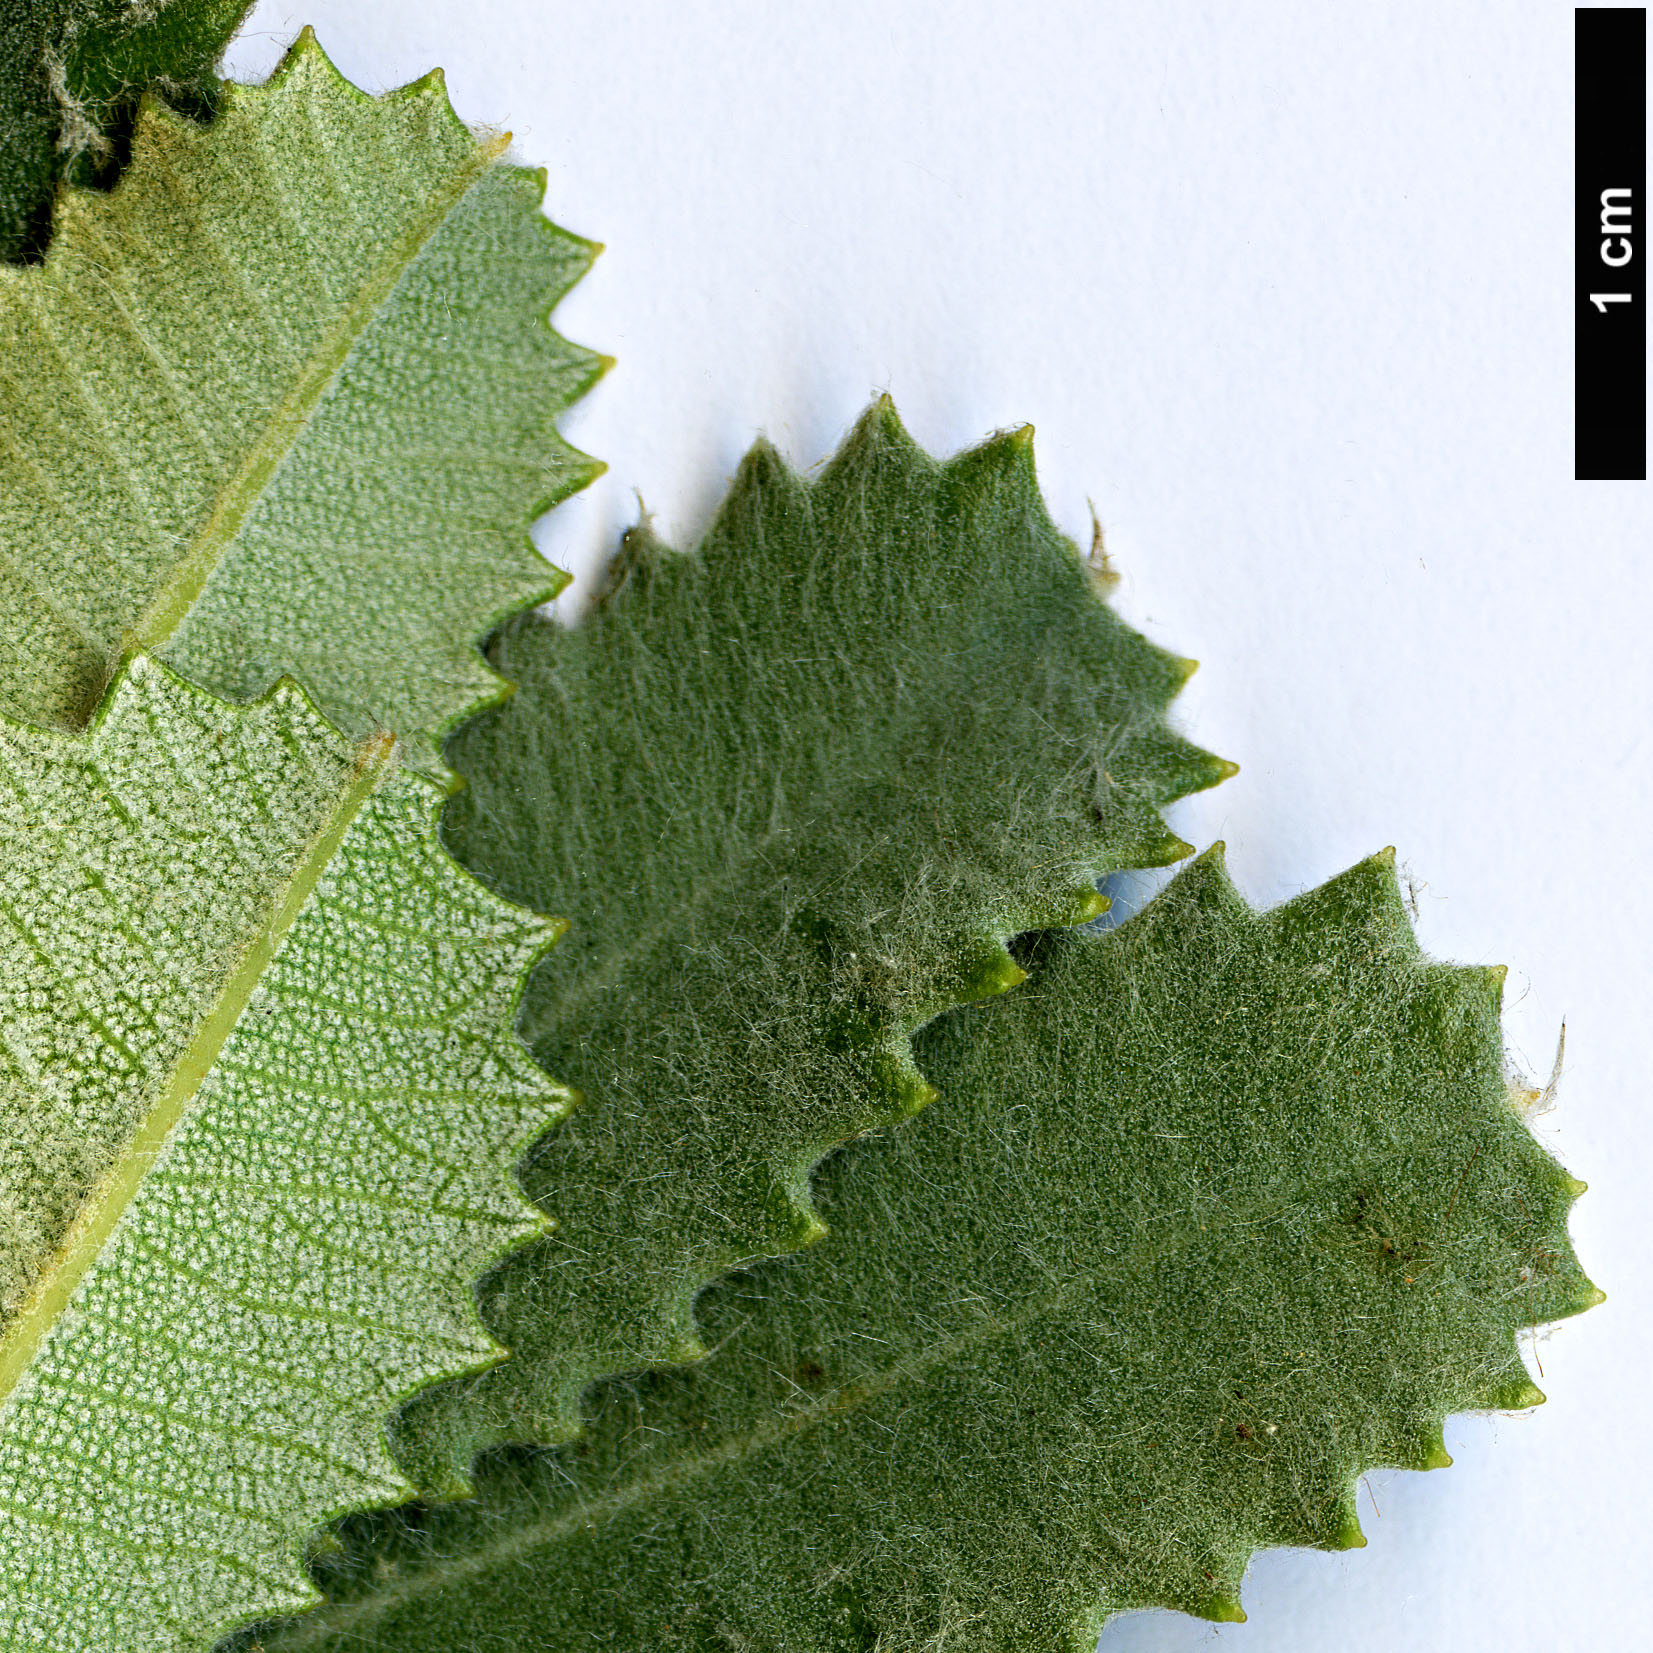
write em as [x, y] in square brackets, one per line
[1287, 292]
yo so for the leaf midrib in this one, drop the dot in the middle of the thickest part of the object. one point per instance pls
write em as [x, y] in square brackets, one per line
[286, 423]
[97, 1218]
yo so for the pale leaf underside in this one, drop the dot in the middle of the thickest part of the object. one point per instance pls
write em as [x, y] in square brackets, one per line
[262, 1096]
[282, 404]
[1215, 1212]
[792, 790]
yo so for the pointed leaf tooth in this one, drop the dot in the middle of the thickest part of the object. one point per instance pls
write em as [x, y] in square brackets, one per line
[1092, 905]
[805, 1229]
[1220, 1607]
[876, 441]
[905, 1090]
[1348, 1534]
[765, 502]
[1435, 1455]
[1204, 885]
[762, 470]
[305, 46]
[638, 554]
[1002, 469]
[1081, 906]
[984, 972]
[791, 1209]
[1370, 888]
[1573, 1293]
[1165, 851]
[1516, 1395]
[1158, 765]
[1212, 864]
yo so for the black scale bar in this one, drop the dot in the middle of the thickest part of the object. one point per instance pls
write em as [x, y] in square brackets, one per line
[1611, 245]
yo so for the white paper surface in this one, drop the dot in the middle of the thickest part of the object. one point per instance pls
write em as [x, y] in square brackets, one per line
[1287, 292]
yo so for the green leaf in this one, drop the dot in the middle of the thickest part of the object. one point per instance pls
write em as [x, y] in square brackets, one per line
[1217, 1211]
[259, 1096]
[282, 404]
[71, 74]
[792, 790]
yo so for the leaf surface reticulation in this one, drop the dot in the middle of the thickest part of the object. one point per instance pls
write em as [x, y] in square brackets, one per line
[261, 1098]
[282, 405]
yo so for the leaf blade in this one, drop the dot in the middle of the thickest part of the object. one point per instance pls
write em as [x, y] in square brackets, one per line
[1134, 1298]
[290, 383]
[793, 790]
[311, 1169]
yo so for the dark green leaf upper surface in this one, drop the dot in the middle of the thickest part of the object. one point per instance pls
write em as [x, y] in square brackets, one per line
[71, 74]
[792, 791]
[1217, 1211]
